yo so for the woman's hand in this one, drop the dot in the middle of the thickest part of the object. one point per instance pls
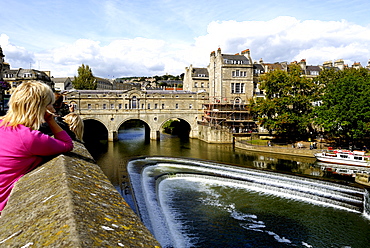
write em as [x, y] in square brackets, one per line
[49, 113]
[49, 118]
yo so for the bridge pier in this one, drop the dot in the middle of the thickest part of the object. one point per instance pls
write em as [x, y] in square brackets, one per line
[155, 134]
[112, 136]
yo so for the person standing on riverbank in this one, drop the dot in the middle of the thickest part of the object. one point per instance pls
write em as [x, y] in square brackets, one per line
[22, 146]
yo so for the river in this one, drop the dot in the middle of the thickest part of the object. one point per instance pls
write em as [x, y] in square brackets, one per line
[210, 213]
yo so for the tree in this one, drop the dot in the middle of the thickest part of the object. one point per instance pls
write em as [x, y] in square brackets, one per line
[345, 108]
[287, 106]
[85, 79]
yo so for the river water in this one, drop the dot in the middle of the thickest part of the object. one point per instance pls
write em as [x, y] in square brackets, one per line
[197, 211]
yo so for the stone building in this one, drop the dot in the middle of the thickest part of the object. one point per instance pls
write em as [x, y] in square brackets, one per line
[62, 84]
[103, 84]
[230, 77]
[196, 79]
[17, 76]
[230, 81]
[136, 99]
[1, 63]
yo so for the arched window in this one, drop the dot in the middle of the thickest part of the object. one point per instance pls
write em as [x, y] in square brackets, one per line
[134, 102]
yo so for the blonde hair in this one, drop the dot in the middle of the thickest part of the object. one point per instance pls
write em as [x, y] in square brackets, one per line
[76, 124]
[27, 105]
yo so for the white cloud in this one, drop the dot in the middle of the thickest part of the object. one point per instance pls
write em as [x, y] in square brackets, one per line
[15, 55]
[288, 39]
[280, 39]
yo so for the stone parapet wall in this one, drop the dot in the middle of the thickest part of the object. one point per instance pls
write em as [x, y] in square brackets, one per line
[69, 202]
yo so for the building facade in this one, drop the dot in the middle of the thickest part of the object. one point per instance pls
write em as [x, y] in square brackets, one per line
[196, 79]
[62, 84]
[17, 76]
[230, 77]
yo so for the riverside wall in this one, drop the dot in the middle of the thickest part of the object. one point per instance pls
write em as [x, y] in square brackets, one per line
[69, 202]
[286, 150]
[213, 135]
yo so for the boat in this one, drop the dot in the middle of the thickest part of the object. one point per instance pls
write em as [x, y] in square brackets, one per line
[343, 169]
[345, 157]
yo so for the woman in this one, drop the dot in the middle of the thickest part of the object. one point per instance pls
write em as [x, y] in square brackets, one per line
[22, 146]
[75, 124]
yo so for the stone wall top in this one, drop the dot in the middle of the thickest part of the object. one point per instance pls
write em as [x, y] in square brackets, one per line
[69, 202]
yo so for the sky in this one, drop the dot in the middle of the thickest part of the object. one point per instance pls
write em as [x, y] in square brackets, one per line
[123, 38]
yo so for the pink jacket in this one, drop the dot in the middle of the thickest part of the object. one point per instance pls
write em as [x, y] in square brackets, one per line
[21, 150]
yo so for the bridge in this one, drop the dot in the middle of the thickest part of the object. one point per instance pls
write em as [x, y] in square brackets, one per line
[112, 108]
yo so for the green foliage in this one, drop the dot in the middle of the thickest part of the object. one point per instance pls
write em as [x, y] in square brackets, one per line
[169, 126]
[287, 107]
[85, 79]
[345, 109]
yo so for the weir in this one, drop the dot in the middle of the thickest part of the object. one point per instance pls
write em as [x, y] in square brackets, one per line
[146, 185]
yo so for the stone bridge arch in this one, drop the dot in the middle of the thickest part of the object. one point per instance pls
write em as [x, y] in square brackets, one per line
[146, 125]
[112, 122]
[182, 120]
[154, 107]
[91, 123]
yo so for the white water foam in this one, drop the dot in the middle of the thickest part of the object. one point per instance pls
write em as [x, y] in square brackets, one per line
[162, 226]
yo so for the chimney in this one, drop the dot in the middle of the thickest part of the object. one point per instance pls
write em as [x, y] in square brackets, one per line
[247, 54]
[328, 63]
[339, 63]
[303, 64]
[219, 51]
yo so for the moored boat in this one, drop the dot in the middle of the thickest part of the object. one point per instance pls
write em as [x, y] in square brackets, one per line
[346, 157]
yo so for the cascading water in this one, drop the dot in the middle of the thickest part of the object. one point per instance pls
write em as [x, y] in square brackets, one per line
[183, 202]
[367, 203]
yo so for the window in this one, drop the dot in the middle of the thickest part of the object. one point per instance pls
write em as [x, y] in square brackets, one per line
[155, 106]
[314, 73]
[190, 106]
[195, 85]
[126, 106]
[237, 88]
[148, 105]
[162, 105]
[104, 106]
[238, 73]
[177, 106]
[112, 106]
[120, 106]
[89, 106]
[134, 102]
[234, 62]
[202, 85]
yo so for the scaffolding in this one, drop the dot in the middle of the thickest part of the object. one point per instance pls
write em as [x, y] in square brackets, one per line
[235, 117]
